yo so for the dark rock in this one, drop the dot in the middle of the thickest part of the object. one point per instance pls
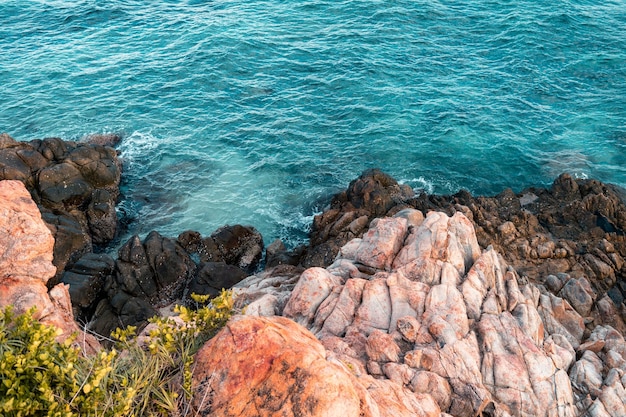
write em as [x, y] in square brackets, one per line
[86, 279]
[61, 186]
[213, 277]
[235, 245]
[277, 254]
[128, 311]
[98, 165]
[101, 216]
[616, 295]
[373, 194]
[134, 275]
[565, 188]
[53, 149]
[104, 139]
[156, 271]
[75, 185]
[172, 266]
[32, 158]
[12, 167]
[105, 320]
[70, 242]
[135, 311]
[191, 241]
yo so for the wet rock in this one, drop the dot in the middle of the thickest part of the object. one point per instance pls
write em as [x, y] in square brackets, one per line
[86, 281]
[237, 245]
[104, 139]
[61, 186]
[75, 185]
[213, 277]
[277, 254]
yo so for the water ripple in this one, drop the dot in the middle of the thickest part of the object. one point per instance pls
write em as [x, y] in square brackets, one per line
[254, 112]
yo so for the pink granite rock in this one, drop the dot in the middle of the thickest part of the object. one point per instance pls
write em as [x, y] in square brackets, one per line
[271, 366]
[379, 246]
[460, 326]
[26, 265]
[314, 286]
[27, 243]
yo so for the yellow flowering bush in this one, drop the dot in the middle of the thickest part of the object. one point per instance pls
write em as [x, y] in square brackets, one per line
[42, 377]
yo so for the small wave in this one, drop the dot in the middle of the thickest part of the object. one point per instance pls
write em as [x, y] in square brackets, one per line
[419, 185]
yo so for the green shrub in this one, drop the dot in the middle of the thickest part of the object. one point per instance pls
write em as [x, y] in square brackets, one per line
[41, 377]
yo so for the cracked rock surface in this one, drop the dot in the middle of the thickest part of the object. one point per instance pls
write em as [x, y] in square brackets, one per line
[415, 318]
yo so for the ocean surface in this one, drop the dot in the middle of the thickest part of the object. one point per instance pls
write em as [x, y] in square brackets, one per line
[256, 112]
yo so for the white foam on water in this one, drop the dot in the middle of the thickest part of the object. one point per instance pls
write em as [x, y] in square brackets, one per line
[419, 185]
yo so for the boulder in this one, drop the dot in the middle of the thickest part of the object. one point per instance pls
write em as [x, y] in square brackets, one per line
[26, 253]
[266, 293]
[272, 366]
[70, 241]
[237, 245]
[371, 195]
[86, 281]
[277, 254]
[76, 186]
[101, 216]
[26, 241]
[213, 277]
[155, 270]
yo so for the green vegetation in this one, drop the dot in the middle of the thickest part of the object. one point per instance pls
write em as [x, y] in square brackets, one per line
[151, 377]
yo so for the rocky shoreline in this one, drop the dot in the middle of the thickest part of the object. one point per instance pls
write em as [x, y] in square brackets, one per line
[405, 304]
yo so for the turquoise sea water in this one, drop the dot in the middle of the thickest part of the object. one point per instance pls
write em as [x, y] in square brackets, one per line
[254, 112]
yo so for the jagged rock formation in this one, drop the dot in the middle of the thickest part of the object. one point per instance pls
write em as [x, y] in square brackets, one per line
[371, 195]
[570, 237]
[577, 227]
[417, 303]
[271, 366]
